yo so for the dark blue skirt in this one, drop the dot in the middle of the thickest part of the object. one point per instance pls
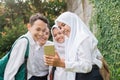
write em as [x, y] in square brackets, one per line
[93, 75]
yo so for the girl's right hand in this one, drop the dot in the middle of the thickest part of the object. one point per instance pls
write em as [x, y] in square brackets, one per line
[54, 60]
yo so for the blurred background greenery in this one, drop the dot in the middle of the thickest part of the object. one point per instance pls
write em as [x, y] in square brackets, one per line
[107, 20]
[14, 15]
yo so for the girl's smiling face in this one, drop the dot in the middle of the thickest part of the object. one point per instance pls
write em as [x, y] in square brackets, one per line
[58, 35]
[64, 28]
[45, 37]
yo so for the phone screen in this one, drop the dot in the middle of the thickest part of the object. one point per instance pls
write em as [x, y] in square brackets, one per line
[49, 50]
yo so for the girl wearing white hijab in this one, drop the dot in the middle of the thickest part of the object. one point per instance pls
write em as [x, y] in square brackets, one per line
[81, 50]
[59, 39]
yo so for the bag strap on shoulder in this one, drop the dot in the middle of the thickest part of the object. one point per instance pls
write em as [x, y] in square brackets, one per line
[27, 49]
[26, 56]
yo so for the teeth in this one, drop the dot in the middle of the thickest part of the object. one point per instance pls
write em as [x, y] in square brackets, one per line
[41, 38]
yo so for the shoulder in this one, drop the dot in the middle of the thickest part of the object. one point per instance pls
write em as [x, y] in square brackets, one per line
[21, 41]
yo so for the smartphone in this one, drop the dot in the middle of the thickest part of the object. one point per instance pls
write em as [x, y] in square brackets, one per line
[49, 50]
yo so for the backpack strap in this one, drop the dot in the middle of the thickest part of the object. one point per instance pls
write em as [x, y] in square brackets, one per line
[26, 56]
[27, 49]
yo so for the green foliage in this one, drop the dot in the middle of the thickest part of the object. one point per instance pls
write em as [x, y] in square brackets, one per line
[16, 16]
[107, 20]
[50, 9]
[13, 11]
[9, 36]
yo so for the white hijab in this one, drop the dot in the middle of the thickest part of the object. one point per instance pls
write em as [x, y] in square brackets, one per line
[60, 47]
[79, 32]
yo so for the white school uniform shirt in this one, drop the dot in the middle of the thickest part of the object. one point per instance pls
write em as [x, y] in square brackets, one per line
[35, 63]
[80, 48]
[60, 73]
